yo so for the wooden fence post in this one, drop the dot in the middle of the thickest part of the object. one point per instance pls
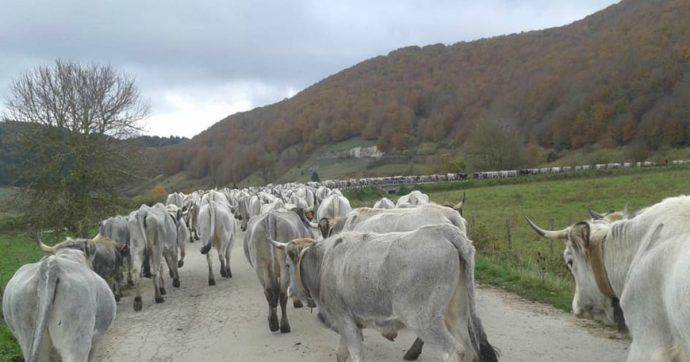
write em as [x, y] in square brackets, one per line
[551, 227]
[510, 233]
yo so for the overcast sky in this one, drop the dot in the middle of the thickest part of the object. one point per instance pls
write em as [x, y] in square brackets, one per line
[199, 61]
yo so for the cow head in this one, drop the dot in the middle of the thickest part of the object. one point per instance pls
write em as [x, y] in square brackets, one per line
[85, 246]
[295, 252]
[589, 301]
[326, 227]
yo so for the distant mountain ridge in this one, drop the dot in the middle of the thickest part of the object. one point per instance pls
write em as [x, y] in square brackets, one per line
[616, 77]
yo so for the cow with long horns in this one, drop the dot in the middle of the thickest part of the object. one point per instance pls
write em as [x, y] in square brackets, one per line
[635, 272]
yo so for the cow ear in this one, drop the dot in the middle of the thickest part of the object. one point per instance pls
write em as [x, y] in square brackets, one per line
[580, 234]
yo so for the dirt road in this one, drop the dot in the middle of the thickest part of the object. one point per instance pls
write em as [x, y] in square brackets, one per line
[227, 322]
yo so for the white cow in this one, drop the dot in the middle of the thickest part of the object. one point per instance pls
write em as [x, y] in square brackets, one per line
[384, 203]
[414, 198]
[634, 272]
[422, 280]
[61, 297]
[334, 208]
[217, 229]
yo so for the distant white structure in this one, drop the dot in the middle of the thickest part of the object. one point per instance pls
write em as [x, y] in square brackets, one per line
[365, 152]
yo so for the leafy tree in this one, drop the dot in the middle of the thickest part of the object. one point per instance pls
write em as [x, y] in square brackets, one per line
[492, 146]
[74, 161]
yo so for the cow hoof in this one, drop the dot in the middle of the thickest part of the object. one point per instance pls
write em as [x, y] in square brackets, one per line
[117, 298]
[159, 299]
[176, 283]
[222, 273]
[130, 283]
[273, 324]
[205, 249]
[180, 263]
[163, 292]
[229, 273]
[414, 351]
[138, 304]
[211, 282]
[297, 303]
[285, 328]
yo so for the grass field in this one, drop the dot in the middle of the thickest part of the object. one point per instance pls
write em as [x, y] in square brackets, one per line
[528, 265]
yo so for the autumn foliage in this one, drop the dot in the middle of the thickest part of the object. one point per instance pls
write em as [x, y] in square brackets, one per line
[617, 77]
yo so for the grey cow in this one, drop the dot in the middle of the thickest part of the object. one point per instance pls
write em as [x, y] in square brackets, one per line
[61, 297]
[269, 263]
[153, 231]
[400, 220]
[217, 229]
[117, 228]
[103, 255]
[422, 280]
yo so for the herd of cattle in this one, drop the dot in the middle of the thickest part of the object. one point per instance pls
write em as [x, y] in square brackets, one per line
[489, 175]
[405, 264]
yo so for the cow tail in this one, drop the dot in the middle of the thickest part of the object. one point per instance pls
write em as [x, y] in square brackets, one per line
[485, 351]
[47, 286]
[146, 263]
[270, 222]
[141, 222]
[212, 215]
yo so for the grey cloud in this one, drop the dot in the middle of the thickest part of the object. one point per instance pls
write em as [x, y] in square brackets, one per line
[281, 44]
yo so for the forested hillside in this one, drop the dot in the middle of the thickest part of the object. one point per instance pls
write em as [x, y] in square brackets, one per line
[617, 77]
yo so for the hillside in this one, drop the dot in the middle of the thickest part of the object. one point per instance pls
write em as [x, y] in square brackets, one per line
[617, 77]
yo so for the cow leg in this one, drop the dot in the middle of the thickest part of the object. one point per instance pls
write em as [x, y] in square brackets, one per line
[157, 283]
[221, 260]
[414, 351]
[146, 265]
[272, 298]
[130, 281]
[172, 266]
[341, 354]
[116, 291]
[73, 350]
[351, 341]
[284, 323]
[183, 253]
[228, 250]
[161, 282]
[136, 279]
[435, 332]
[211, 279]
[118, 283]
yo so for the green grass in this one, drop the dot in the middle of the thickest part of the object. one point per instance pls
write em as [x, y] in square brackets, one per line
[530, 266]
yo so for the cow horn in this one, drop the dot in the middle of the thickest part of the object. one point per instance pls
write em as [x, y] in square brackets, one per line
[45, 248]
[278, 245]
[595, 215]
[549, 234]
[458, 206]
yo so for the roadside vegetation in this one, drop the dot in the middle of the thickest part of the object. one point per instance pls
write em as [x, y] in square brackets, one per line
[522, 262]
